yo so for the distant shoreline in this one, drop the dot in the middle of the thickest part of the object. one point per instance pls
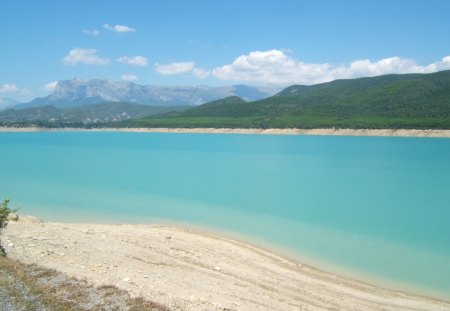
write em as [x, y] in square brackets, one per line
[319, 131]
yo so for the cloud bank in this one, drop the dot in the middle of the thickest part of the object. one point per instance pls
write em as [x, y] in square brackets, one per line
[135, 60]
[181, 68]
[84, 56]
[276, 67]
[175, 68]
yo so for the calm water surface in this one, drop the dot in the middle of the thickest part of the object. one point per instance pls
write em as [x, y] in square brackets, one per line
[369, 207]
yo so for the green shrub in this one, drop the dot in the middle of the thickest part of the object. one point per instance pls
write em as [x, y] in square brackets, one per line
[5, 211]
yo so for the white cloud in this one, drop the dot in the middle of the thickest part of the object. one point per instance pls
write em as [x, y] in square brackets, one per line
[92, 32]
[128, 77]
[9, 88]
[119, 28]
[181, 68]
[50, 86]
[272, 66]
[84, 56]
[175, 68]
[443, 64]
[135, 60]
[275, 67]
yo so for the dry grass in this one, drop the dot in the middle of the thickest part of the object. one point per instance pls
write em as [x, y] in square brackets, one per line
[32, 287]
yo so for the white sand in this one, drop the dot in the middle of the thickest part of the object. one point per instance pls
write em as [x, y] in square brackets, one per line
[190, 270]
[339, 132]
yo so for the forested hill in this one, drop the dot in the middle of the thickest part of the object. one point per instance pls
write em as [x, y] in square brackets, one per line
[390, 101]
[84, 115]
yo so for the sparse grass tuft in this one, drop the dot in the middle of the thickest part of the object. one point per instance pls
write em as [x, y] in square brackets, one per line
[32, 287]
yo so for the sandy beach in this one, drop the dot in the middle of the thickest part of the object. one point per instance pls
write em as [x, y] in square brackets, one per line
[337, 132]
[190, 270]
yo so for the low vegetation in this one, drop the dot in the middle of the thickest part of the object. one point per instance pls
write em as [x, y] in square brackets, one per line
[419, 101]
[408, 101]
[30, 287]
[5, 213]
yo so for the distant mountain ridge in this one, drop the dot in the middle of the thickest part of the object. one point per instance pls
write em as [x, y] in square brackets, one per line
[410, 101]
[77, 92]
[6, 102]
[390, 101]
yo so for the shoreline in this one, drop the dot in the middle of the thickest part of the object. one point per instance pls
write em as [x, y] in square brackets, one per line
[198, 270]
[318, 131]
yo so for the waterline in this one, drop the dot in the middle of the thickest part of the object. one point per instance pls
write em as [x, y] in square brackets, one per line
[374, 206]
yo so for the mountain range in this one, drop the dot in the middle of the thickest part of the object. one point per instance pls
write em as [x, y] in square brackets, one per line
[6, 102]
[388, 101]
[77, 92]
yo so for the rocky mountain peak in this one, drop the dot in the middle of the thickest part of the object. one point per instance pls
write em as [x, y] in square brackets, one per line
[78, 92]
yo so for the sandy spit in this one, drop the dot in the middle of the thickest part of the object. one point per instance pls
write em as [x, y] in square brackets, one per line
[190, 270]
[338, 132]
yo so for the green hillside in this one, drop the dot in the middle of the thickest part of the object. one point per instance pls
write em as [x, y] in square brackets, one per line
[95, 114]
[389, 101]
[227, 106]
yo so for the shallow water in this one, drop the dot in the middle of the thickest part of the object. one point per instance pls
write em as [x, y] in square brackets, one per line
[370, 207]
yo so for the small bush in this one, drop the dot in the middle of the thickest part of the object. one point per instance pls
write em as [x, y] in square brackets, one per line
[5, 211]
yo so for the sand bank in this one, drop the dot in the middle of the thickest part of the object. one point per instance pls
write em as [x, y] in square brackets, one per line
[338, 132]
[191, 270]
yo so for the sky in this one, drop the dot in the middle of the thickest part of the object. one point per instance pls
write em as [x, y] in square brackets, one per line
[211, 42]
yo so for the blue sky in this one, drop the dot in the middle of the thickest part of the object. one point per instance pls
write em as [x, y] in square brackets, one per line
[199, 42]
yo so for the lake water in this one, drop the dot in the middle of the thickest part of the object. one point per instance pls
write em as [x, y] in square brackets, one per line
[376, 208]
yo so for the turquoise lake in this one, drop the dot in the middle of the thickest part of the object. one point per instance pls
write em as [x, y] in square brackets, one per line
[373, 208]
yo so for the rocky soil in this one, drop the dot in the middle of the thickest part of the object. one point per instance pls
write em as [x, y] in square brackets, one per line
[190, 270]
[31, 287]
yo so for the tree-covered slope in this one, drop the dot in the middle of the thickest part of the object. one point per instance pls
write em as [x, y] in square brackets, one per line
[389, 101]
[88, 114]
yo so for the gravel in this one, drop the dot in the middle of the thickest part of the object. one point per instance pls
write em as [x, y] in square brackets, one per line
[23, 298]
[6, 303]
[31, 287]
